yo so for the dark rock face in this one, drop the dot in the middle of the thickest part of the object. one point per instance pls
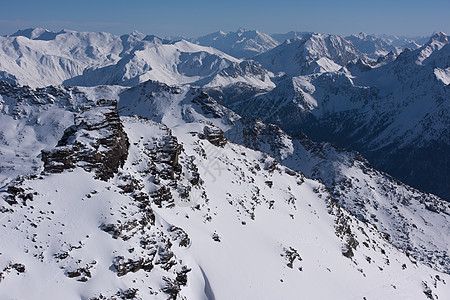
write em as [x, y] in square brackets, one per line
[214, 135]
[291, 255]
[167, 153]
[210, 107]
[38, 96]
[245, 68]
[18, 267]
[123, 266]
[17, 194]
[96, 141]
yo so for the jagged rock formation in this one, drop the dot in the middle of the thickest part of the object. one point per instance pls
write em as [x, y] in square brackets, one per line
[214, 136]
[96, 142]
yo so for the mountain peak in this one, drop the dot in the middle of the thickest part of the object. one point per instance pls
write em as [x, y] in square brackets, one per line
[362, 35]
[31, 33]
[439, 37]
[241, 30]
[242, 43]
[137, 33]
[310, 53]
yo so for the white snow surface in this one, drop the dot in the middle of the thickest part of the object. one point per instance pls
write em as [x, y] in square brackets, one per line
[443, 75]
[416, 222]
[38, 58]
[253, 224]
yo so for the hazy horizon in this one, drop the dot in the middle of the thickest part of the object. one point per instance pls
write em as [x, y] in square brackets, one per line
[226, 31]
[198, 17]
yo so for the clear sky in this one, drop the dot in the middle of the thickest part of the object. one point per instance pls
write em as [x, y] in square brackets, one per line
[198, 17]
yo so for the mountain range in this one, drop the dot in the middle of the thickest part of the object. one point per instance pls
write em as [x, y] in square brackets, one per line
[135, 167]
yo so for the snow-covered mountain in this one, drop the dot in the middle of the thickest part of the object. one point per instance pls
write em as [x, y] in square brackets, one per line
[282, 37]
[372, 45]
[170, 62]
[404, 42]
[395, 114]
[242, 43]
[155, 220]
[311, 53]
[134, 175]
[375, 46]
[39, 58]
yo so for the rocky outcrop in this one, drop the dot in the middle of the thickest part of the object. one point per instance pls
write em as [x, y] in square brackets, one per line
[214, 135]
[18, 267]
[210, 107]
[96, 141]
[245, 68]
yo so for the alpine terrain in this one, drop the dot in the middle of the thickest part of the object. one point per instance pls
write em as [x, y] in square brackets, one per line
[224, 167]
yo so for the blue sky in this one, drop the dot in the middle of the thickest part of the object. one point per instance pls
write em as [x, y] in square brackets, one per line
[198, 17]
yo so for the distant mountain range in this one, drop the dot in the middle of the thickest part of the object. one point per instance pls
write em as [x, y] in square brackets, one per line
[226, 166]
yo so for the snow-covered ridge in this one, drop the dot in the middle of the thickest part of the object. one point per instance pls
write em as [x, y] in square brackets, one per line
[242, 44]
[156, 229]
[376, 46]
[371, 45]
[416, 222]
[173, 63]
[57, 57]
[313, 53]
[38, 57]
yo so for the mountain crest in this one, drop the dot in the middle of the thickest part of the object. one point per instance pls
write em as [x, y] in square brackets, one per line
[31, 33]
[439, 37]
[242, 43]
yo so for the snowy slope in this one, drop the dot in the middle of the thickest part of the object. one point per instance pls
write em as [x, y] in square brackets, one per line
[416, 222]
[169, 62]
[38, 58]
[248, 72]
[242, 44]
[166, 226]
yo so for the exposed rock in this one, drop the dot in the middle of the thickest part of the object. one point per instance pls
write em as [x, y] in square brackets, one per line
[343, 228]
[209, 106]
[179, 234]
[20, 268]
[81, 274]
[291, 254]
[123, 266]
[214, 135]
[245, 68]
[162, 195]
[114, 230]
[96, 141]
[18, 193]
